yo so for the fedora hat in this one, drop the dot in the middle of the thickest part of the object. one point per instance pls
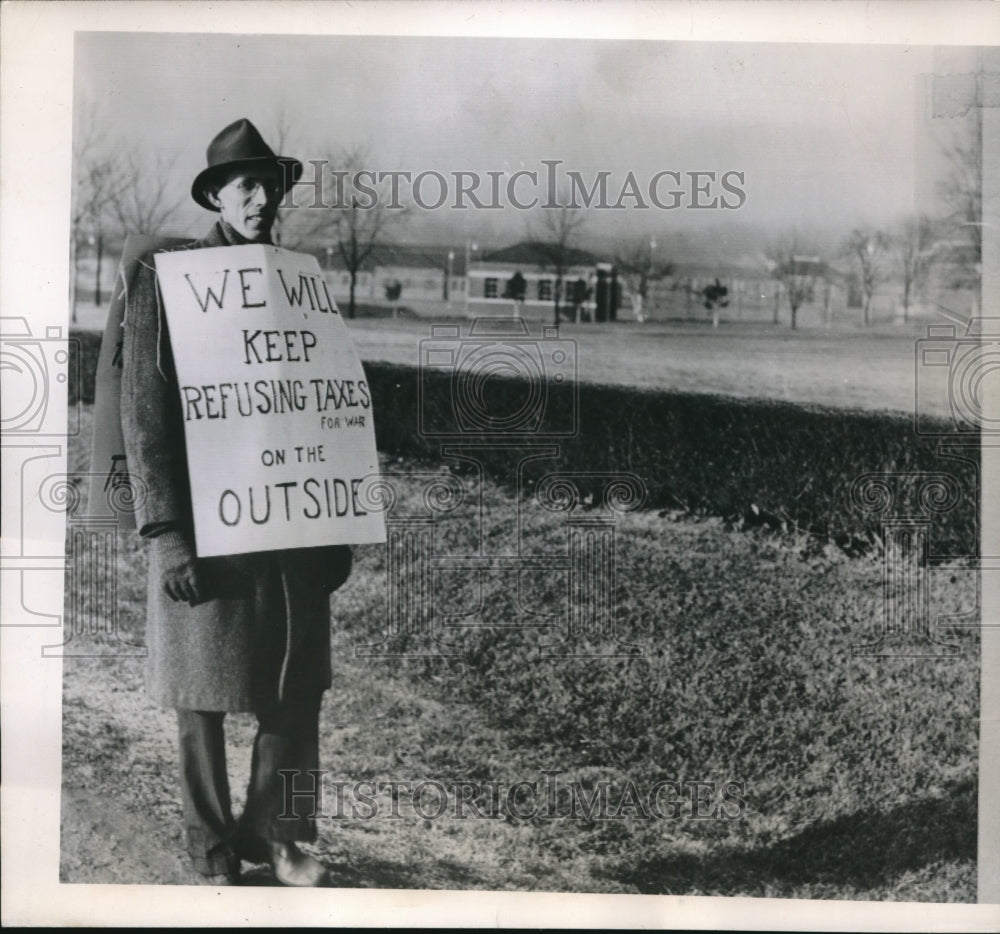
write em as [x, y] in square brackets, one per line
[240, 146]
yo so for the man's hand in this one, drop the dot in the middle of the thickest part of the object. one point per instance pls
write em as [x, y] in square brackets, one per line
[182, 579]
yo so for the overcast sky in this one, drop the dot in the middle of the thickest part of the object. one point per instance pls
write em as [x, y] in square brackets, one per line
[825, 134]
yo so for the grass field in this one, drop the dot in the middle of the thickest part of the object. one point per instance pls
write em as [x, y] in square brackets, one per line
[871, 370]
[856, 776]
[867, 369]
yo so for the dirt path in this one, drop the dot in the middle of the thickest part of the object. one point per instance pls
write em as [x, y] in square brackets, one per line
[121, 816]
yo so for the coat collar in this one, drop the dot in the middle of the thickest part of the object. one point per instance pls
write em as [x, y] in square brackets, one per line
[222, 234]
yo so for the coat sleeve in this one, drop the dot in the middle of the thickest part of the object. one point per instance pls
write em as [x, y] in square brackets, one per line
[150, 409]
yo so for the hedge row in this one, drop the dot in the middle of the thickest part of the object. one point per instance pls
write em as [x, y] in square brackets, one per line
[703, 453]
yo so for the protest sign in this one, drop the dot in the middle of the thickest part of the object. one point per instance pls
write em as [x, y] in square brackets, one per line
[112, 492]
[276, 408]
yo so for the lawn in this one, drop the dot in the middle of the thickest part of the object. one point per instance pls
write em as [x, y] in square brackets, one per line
[799, 769]
[871, 370]
[865, 369]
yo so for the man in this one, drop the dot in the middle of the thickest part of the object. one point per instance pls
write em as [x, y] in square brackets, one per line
[241, 633]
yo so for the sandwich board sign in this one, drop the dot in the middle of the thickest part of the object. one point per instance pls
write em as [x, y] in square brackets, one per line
[275, 405]
[112, 492]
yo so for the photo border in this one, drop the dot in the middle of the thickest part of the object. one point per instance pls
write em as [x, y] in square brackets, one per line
[36, 96]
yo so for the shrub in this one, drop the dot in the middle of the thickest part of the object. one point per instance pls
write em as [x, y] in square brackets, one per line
[705, 453]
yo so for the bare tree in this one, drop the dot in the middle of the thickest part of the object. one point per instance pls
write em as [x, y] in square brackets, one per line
[393, 290]
[360, 228]
[912, 247]
[285, 138]
[868, 248]
[141, 203]
[516, 290]
[962, 192]
[796, 271]
[95, 176]
[962, 188]
[352, 219]
[640, 267]
[283, 130]
[557, 235]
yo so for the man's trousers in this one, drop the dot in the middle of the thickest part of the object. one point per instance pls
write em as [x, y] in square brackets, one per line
[287, 740]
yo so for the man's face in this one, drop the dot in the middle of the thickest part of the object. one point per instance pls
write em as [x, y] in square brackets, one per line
[248, 201]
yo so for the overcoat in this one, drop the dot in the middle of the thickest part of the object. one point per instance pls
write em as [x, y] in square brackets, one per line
[265, 631]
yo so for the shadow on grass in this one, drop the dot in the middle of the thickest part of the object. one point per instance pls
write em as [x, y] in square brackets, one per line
[386, 874]
[864, 850]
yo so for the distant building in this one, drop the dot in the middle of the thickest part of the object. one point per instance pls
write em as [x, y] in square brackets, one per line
[433, 280]
[744, 292]
[421, 271]
[488, 280]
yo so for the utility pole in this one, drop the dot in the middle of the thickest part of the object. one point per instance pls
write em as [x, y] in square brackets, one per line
[469, 248]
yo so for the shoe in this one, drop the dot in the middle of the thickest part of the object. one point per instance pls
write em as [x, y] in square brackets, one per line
[293, 867]
[230, 877]
[251, 848]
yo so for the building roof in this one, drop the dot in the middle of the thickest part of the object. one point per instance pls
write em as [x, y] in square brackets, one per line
[538, 253]
[528, 253]
[801, 265]
[413, 256]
